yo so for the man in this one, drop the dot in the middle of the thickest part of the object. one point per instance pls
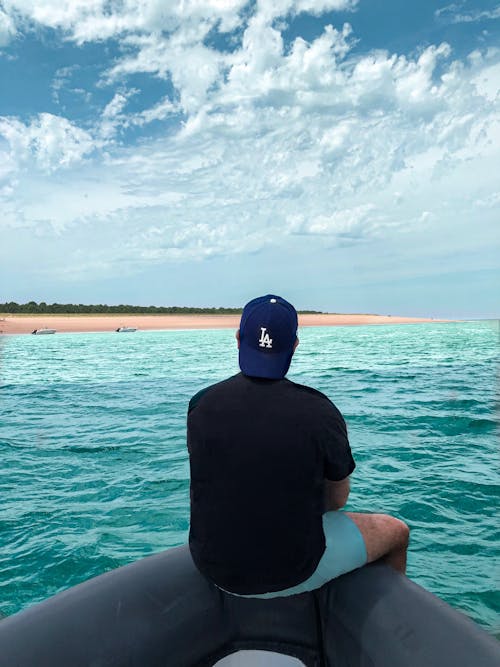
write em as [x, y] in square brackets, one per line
[270, 463]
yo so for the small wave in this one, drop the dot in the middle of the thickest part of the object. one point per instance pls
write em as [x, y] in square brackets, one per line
[449, 404]
[484, 425]
[93, 449]
[446, 425]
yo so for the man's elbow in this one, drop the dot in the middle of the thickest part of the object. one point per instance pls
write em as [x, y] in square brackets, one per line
[336, 494]
[338, 503]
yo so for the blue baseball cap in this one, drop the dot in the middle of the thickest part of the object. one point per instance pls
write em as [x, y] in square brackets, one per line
[268, 331]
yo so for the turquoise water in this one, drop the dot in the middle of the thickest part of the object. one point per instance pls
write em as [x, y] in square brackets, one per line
[94, 471]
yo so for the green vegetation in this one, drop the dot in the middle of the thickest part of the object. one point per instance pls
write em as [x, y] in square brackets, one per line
[42, 308]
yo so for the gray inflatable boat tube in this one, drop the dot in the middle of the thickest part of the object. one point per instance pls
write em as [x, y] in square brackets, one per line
[161, 612]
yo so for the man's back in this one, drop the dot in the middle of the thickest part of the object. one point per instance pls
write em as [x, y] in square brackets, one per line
[260, 450]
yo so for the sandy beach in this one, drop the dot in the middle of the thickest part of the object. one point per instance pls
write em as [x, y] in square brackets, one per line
[25, 324]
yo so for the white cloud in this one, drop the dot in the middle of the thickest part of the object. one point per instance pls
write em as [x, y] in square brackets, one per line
[487, 82]
[159, 111]
[453, 13]
[282, 8]
[112, 116]
[61, 80]
[89, 20]
[7, 28]
[355, 223]
[192, 67]
[491, 201]
[51, 141]
[117, 104]
[115, 118]
[261, 69]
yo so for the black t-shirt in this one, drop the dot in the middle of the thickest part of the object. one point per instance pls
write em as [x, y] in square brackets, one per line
[259, 453]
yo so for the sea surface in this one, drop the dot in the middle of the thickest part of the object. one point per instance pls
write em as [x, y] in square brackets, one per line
[94, 471]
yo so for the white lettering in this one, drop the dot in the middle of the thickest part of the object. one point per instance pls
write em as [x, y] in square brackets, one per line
[264, 340]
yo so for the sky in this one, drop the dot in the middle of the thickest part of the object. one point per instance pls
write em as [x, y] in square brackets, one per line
[344, 154]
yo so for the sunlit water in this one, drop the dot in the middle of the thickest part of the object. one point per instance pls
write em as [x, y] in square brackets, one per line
[94, 470]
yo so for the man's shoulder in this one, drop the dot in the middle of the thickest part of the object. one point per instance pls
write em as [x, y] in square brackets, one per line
[314, 397]
[307, 391]
[218, 387]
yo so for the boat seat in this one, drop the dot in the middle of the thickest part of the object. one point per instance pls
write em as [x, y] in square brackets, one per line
[161, 612]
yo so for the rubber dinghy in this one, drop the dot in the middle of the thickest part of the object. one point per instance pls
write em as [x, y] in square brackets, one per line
[160, 612]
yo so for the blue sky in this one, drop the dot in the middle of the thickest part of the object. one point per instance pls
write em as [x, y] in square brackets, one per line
[342, 153]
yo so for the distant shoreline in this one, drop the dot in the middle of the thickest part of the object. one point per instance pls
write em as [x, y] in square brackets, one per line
[74, 323]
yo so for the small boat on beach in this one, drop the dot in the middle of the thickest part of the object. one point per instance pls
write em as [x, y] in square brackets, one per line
[126, 329]
[41, 332]
[161, 611]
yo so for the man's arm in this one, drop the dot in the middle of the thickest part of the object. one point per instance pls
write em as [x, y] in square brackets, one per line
[336, 494]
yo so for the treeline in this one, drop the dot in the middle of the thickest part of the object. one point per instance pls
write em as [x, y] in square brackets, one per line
[33, 308]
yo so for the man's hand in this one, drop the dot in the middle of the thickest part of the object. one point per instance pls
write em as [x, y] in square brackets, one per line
[336, 494]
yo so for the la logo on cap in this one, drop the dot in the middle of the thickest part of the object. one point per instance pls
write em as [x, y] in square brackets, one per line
[265, 340]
